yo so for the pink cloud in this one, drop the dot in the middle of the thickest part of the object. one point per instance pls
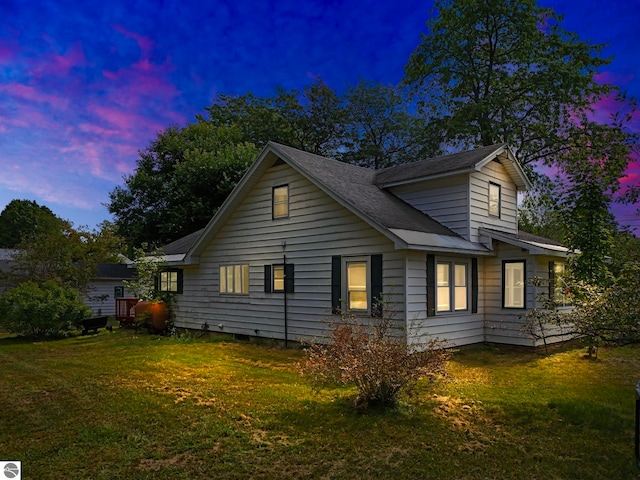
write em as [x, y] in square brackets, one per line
[32, 94]
[145, 44]
[59, 65]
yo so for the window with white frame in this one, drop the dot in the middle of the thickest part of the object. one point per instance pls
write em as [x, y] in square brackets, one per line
[234, 278]
[280, 201]
[451, 286]
[513, 283]
[495, 199]
[357, 292]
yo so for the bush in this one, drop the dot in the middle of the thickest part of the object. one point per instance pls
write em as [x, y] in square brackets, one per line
[379, 364]
[602, 315]
[42, 310]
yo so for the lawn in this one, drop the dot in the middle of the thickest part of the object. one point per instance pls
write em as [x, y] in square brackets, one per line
[135, 406]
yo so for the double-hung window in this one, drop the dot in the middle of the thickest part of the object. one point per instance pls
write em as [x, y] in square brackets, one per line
[234, 278]
[495, 199]
[280, 201]
[357, 296]
[451, 286]
[513, 284]
[356, 284]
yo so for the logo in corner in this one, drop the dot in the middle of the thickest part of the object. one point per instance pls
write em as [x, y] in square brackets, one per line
[11, 470]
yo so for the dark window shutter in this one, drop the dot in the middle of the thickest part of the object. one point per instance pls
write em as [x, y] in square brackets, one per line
[267, 279]
[180, 281]
[474, 285]
[431, 285]
[288, 277]
[552, 280]
[376, 286]
[156, 282]
[336, 283]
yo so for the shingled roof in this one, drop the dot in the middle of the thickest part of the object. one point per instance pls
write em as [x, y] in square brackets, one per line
[457, 163]
[356, 186]
[182, 245]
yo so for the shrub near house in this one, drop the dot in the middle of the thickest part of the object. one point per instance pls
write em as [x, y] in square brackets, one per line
[41, 310]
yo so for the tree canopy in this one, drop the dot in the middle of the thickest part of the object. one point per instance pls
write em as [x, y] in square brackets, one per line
[23, 220]
[180, 181]
[186, 173]
[495, 71]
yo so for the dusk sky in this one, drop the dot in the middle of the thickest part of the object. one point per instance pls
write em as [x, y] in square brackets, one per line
[85, 85]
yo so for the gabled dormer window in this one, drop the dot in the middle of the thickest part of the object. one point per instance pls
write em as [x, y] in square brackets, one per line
[280, 201]
[495, 199]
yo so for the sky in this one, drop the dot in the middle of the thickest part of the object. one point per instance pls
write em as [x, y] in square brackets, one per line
[84, 86]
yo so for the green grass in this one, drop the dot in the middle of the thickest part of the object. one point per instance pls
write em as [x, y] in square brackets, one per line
[135, 406]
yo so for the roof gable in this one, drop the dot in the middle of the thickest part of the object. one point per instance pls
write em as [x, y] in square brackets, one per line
[455, 164]
[354, 187]
[351, 186]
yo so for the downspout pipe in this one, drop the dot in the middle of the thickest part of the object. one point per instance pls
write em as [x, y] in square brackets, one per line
[284, 268]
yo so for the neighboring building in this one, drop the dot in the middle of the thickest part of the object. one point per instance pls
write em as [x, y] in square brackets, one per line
[102, 290]
[303, 236]
[107, 286]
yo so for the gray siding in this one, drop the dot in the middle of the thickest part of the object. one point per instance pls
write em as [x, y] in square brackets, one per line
[317, 228]
[479, 201]
[445, 200]
[505, 325]
[457, 328]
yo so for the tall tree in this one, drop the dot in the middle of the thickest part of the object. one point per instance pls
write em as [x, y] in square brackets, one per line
[591, 169]
[539, 212]
[23, 220]
[382, 127]
[311, 119]
[180, 181]
[505, 71]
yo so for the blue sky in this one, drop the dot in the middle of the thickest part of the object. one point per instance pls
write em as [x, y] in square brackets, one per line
[85, 85]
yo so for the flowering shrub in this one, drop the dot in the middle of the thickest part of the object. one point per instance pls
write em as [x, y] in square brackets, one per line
[379, 364]
[601, 314]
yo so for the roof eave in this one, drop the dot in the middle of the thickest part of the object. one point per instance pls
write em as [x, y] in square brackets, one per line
[425, 178]
[534, 248]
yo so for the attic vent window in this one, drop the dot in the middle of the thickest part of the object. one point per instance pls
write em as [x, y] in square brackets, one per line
[280, 201]
[495, 199]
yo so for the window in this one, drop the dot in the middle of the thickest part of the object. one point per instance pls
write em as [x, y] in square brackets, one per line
[513, 284]
[357, 286]
[460, 286]
[234, 279]
[558, 289]
[280, 201]
[278, 278]
[495, 199]
[451, 284]
[169, 281]
[444, 289]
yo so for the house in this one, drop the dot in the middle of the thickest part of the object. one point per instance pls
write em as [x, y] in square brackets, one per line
[106, 286]
[303, 236]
